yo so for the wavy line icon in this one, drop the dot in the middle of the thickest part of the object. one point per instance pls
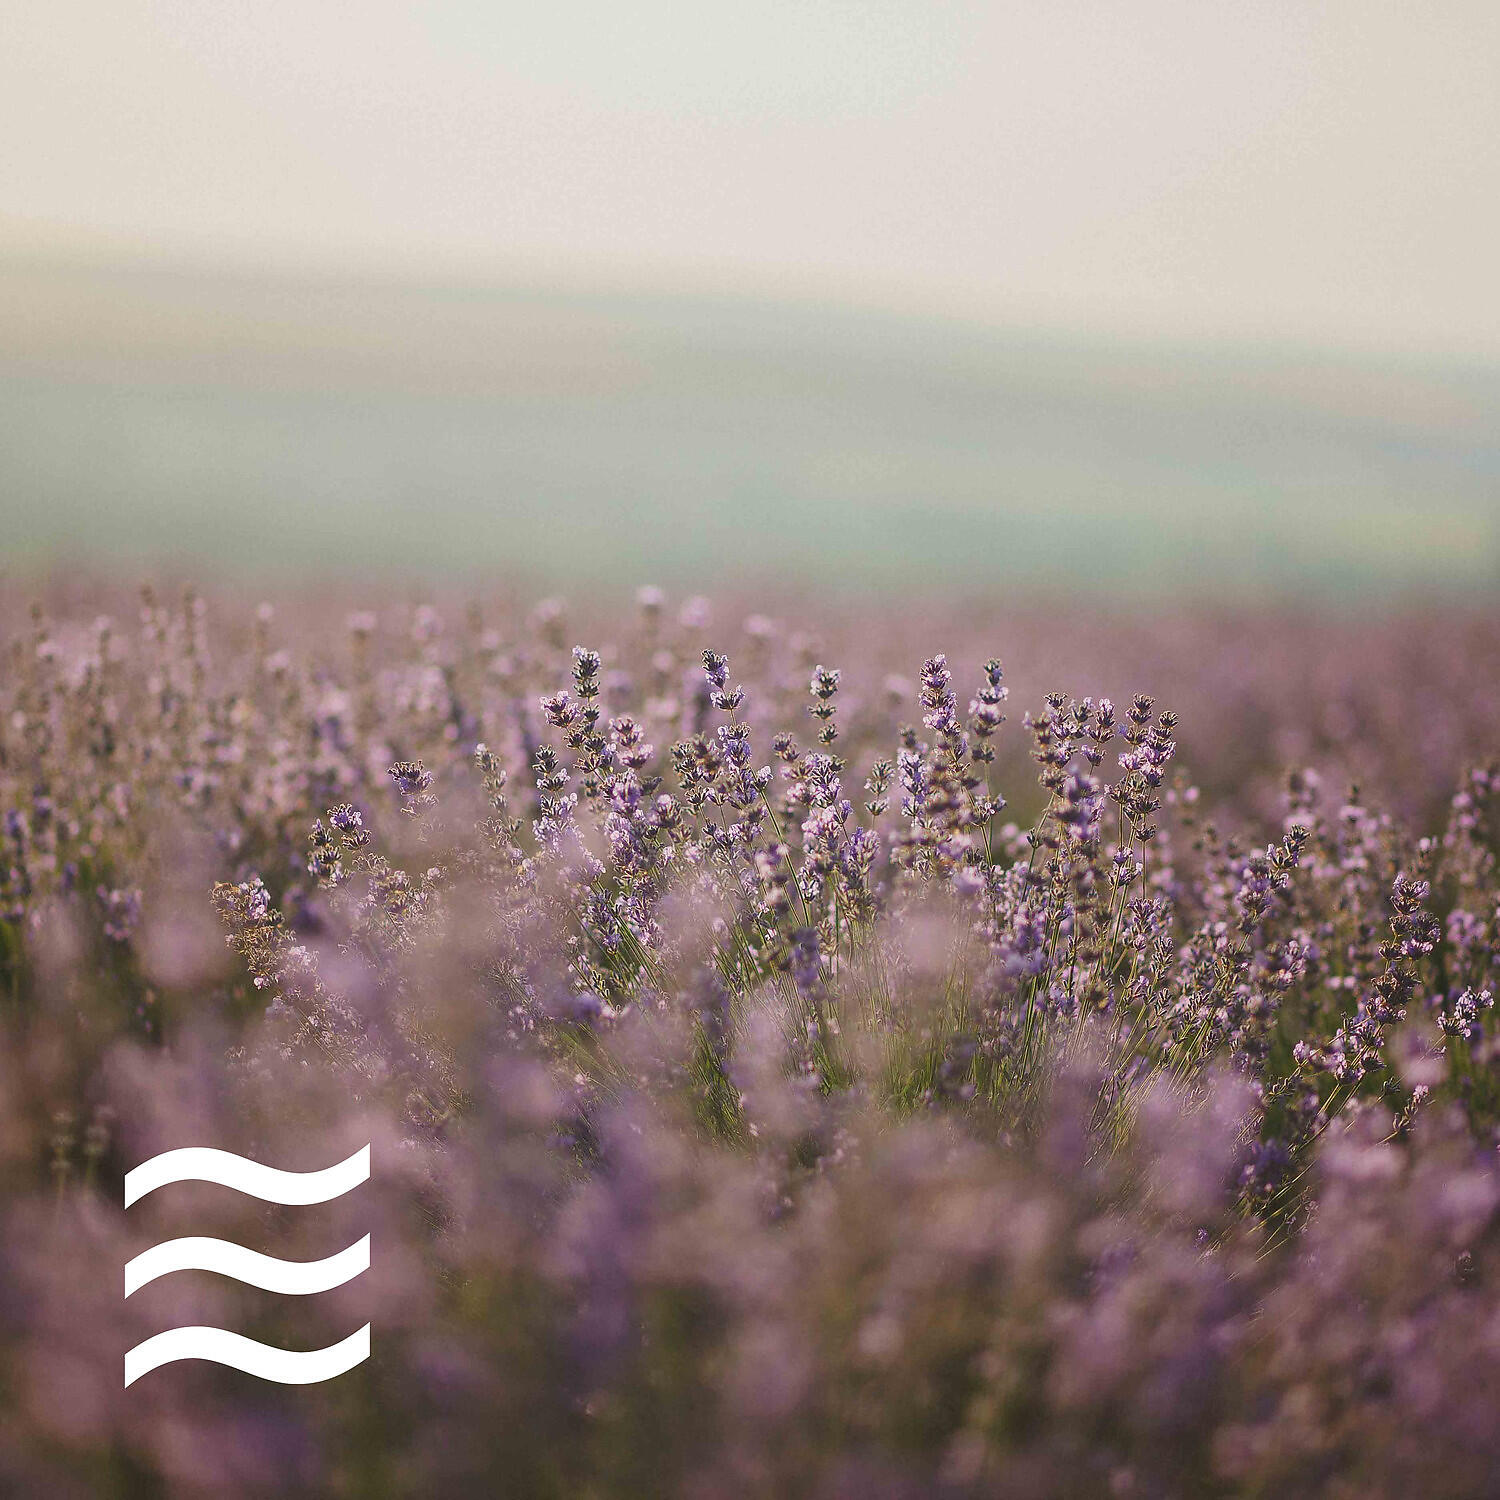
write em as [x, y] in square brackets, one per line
[284, 1366]
[270, 1185]
[298, 1278]
[292, 1278]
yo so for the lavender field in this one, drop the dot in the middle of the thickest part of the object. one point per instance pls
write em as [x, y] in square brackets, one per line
[808, 1047]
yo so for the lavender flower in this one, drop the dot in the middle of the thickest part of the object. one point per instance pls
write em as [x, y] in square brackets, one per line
[758, 1116]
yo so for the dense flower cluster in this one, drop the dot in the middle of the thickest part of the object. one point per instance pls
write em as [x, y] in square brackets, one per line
[786, 1078]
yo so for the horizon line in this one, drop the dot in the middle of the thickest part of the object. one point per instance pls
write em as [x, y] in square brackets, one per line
[708, 285]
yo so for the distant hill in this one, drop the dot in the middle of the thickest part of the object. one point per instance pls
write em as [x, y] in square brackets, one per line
[263, 424]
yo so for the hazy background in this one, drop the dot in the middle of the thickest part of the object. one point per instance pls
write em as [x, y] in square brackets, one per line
[1191, 296]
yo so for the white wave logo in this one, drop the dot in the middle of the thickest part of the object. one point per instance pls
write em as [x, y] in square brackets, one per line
[292, 1278]
[288, 1277]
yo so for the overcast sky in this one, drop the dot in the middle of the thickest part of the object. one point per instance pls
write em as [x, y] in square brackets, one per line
[1316, 172]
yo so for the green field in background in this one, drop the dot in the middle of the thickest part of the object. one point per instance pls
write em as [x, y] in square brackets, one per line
[283, 426]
